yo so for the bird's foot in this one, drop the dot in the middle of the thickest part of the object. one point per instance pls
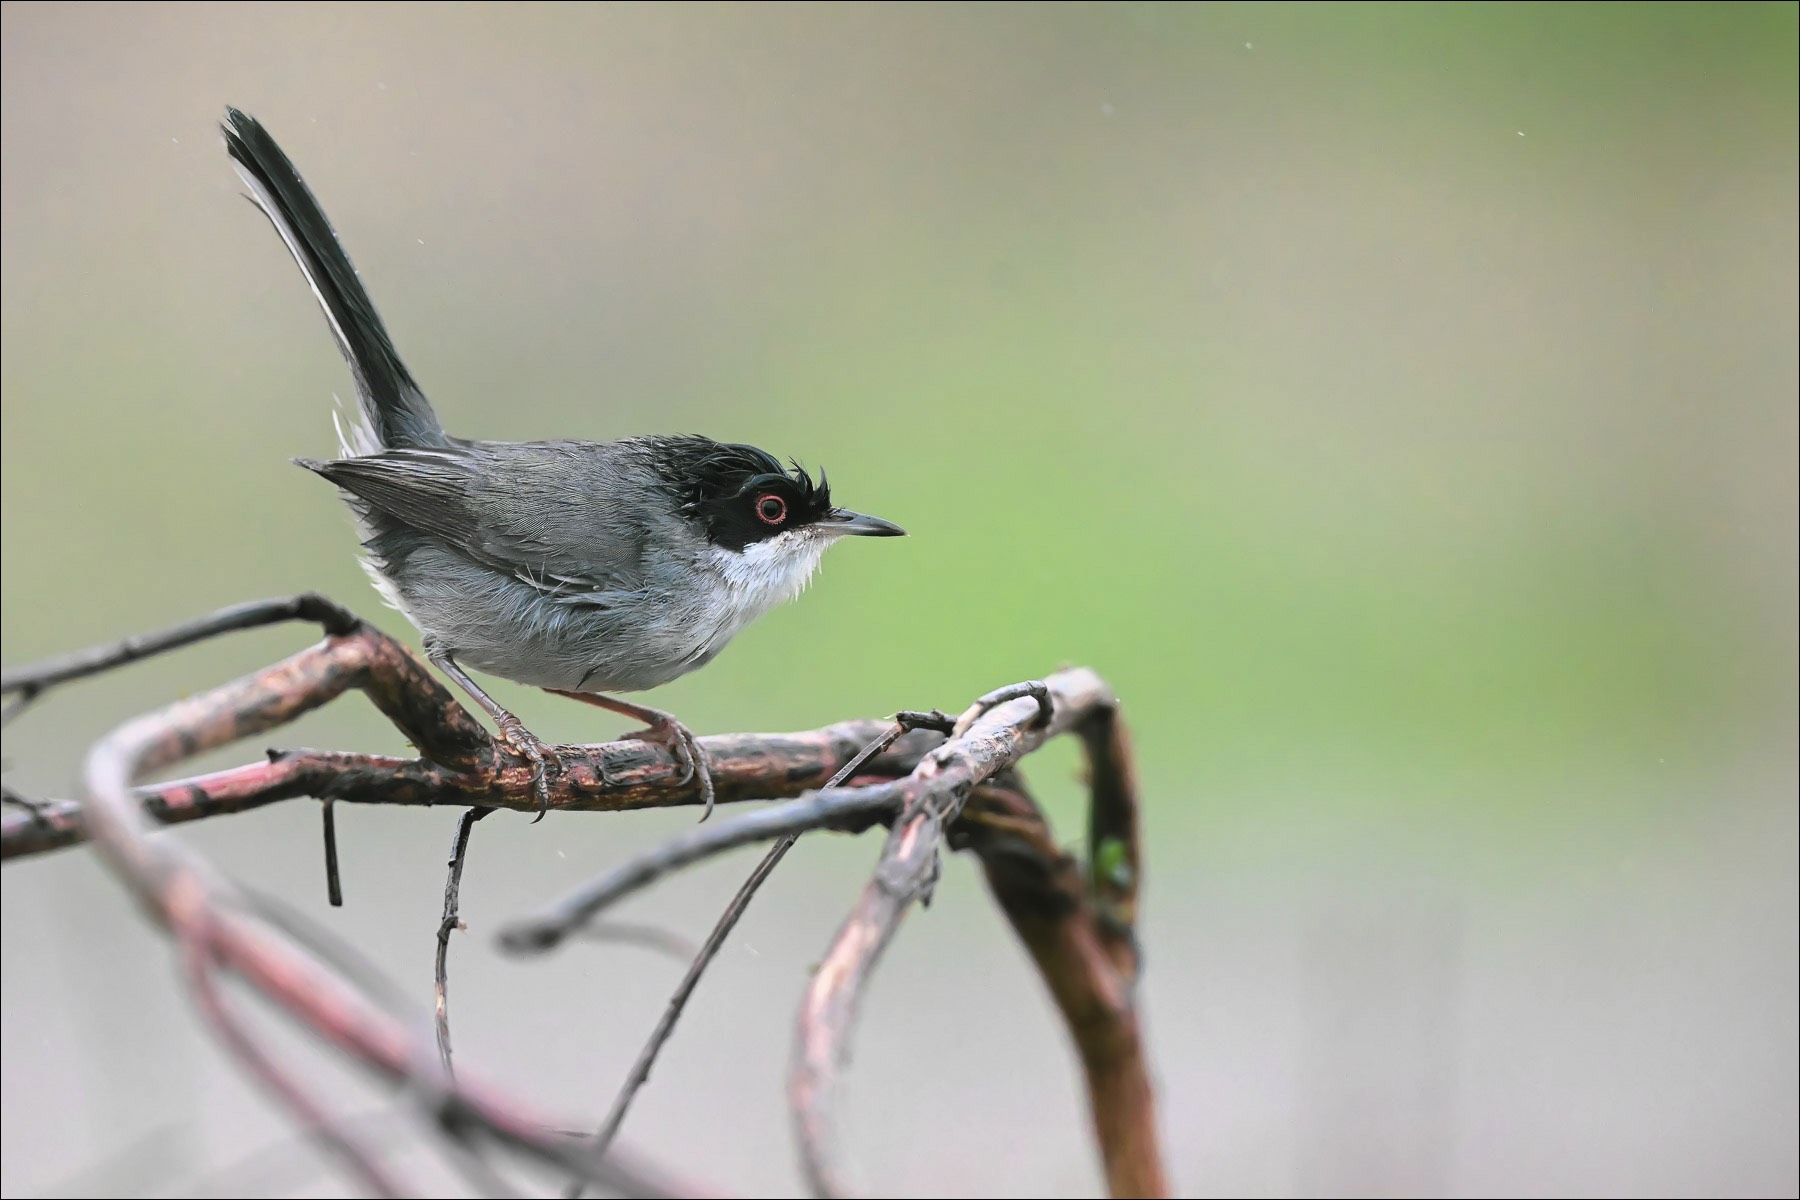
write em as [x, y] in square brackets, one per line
[525, 744]
[665, 730]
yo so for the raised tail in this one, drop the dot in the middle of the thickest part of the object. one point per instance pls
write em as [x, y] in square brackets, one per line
[394, 410]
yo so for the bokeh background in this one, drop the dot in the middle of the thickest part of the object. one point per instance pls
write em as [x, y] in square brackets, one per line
[1396, 403]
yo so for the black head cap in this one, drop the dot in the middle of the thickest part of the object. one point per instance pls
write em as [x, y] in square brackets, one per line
[739, 494]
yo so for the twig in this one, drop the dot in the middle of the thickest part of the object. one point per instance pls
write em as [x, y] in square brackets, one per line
[996, 732]
[665, 1026]
[835, 808]
[176, 889]
[32, 681]
[334, 887]
[640, 1070]
[602, 1139]
[459, 852]
[1035, 688]
[960, 791]
[991, 737]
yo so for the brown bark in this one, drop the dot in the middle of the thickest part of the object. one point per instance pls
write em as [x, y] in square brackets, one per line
[933, 790]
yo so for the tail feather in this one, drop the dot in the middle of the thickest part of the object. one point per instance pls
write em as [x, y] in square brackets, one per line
[393, 408]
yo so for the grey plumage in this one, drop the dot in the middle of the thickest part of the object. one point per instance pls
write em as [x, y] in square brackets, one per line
[538, 562]
[580, 567]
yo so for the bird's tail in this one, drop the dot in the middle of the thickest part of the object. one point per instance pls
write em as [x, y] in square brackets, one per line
[395, 412]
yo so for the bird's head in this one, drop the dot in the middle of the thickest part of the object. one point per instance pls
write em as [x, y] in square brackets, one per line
[758, 515]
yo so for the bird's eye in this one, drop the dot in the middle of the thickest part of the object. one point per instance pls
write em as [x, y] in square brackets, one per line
[771, 509]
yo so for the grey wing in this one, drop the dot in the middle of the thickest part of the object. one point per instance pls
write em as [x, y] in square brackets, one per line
[536, 511]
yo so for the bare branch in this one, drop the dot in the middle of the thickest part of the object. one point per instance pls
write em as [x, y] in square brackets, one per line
[904, 722]
[32, 681]
[836, 808]
[459, 852]
[1076, 947]
[1034, 688]
[334, 884]
[603, 1137]
[992, 736]
[185, 897]
[963, 791]
[746, 766]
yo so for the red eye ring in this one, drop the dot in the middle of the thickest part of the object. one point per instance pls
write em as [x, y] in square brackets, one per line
[771, 509]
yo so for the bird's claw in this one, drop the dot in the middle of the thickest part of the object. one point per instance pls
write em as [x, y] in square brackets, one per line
[526, 745]
[687, 750]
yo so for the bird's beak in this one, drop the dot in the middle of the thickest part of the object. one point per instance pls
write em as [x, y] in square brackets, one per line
[841, 521]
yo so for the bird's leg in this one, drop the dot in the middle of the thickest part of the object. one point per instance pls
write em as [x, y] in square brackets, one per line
[512, 730]
[663, 729]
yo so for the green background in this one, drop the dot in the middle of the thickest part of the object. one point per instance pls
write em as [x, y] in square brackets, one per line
[1397, 404]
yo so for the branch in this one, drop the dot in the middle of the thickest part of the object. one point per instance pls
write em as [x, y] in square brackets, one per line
[607, 777]
[904, 722]
[991, 738]
[31, 682]
[452, 921]
[218, 928]
[961, 791]
[1076, 943]
[834, 808]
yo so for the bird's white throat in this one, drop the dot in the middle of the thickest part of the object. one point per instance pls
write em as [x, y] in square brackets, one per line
[770, 572]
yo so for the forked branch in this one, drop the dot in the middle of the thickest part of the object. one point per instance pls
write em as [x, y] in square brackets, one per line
[960, 790]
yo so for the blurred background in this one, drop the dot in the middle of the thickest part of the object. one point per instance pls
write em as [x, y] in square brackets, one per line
[1396, 403]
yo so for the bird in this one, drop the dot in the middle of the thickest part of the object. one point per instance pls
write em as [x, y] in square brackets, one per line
[584, 568]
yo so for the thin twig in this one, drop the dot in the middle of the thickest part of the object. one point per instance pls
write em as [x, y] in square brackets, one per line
[989, 744]
[640, 1070]
[602, 1138]
[665, 1026]
[990, 738]
[1035, 688]
[34, 680]
[334, 887]
[907, 872]
[183, 895]
[826, 809]
[1079, 932]
[459, 852]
